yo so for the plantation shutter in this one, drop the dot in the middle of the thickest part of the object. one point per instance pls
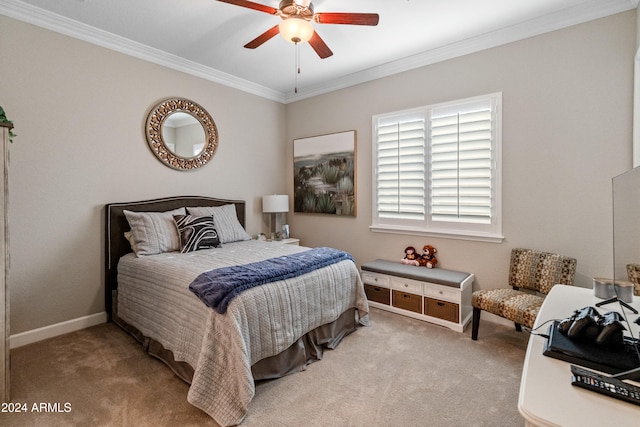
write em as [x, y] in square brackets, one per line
[400, 167]
[461, 162]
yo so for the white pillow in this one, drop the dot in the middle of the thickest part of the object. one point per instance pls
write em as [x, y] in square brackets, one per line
[129, 236]
[226, 222]
[154, 232]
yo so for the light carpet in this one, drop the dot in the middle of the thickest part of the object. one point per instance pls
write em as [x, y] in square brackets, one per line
[397, 372]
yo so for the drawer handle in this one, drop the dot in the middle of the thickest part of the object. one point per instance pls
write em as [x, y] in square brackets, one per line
[440, 304]
[377, 289]
[406, 286]
[440, 292]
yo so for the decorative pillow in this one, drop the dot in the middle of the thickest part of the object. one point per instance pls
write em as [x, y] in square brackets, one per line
[226, 220]
[154, 232]
[196, 232]
[129, 236]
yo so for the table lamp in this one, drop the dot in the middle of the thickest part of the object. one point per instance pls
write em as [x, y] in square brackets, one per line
[275, 204]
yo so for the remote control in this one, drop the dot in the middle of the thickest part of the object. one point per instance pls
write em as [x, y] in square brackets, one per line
[604, 384]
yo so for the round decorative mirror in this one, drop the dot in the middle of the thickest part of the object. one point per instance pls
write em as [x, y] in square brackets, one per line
[181, 134]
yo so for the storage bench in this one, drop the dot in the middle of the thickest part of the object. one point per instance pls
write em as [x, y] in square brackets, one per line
[434, 295]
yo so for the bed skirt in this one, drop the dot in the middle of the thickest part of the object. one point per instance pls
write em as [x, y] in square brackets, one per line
[308, 349]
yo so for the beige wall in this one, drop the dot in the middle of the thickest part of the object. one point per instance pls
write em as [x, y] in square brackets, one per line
[567, 114]
[79, 112]
[636, 92]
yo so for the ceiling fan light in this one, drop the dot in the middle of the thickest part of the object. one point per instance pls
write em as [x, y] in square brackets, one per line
[296, 30]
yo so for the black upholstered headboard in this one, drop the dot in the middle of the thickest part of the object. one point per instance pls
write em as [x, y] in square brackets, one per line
[116, 245]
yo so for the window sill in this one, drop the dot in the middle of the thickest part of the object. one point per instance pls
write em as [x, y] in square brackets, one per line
[478, 237]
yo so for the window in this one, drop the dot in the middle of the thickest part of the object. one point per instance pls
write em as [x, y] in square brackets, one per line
[437, 170]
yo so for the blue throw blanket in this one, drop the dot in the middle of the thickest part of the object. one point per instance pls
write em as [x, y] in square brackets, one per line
[216, 288]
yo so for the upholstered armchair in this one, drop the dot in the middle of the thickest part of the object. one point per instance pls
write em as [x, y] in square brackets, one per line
[532, 274]
[633, 271]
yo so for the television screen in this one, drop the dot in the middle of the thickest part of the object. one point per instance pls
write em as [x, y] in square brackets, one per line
[626, 222]
[626, 240]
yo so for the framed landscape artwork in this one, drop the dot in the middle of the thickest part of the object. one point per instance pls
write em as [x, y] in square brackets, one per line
[324, 171]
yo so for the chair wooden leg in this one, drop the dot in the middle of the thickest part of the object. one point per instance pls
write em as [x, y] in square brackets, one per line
[518, 327]
[475, 323]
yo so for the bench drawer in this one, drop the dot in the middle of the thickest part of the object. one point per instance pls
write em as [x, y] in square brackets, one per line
[437, 292]
[378, 294]
[444, 310]
[375, 279]
[407, 301]
[406, 285]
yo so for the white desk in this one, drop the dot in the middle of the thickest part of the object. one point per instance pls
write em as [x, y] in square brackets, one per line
[547, 397]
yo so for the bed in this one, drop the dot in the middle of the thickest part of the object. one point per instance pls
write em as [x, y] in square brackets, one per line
[264, 332]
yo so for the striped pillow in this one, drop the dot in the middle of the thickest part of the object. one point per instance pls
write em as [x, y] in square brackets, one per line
[196, 232]
[226, 220]
[154, 232]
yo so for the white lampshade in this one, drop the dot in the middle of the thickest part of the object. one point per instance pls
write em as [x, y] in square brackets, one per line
[275, 203]
[296, 30]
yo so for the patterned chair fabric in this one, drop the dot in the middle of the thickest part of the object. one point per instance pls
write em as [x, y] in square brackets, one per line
[532, 274]
[633, 271]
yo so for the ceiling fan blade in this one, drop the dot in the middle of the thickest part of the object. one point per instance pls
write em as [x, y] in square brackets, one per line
[263, 37]
[320, 46]
[347, 18]
[251, 5]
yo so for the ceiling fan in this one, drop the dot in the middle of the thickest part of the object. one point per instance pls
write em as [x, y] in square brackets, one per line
[296, 24]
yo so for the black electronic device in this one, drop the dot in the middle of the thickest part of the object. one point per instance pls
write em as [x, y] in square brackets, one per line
[587, 325]
[611, 333]
[604, 384]
[589, 354]
[583, 324]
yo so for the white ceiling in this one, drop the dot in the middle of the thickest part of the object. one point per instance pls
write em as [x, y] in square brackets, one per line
[206, 37]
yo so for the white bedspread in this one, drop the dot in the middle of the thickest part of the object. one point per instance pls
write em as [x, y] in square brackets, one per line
[153, 296]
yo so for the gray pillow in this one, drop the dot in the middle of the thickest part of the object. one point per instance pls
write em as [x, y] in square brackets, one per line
[154, 232]
[226, 221]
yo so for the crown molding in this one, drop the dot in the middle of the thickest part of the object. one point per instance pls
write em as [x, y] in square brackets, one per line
[565, 18]
[42, 18]
[568, 17]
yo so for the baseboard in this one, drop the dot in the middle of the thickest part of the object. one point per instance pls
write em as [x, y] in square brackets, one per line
[35, 335]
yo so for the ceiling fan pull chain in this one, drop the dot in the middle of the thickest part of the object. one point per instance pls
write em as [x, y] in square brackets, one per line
[297, 65]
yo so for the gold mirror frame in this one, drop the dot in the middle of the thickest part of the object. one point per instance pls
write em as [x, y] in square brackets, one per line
[155, 122]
